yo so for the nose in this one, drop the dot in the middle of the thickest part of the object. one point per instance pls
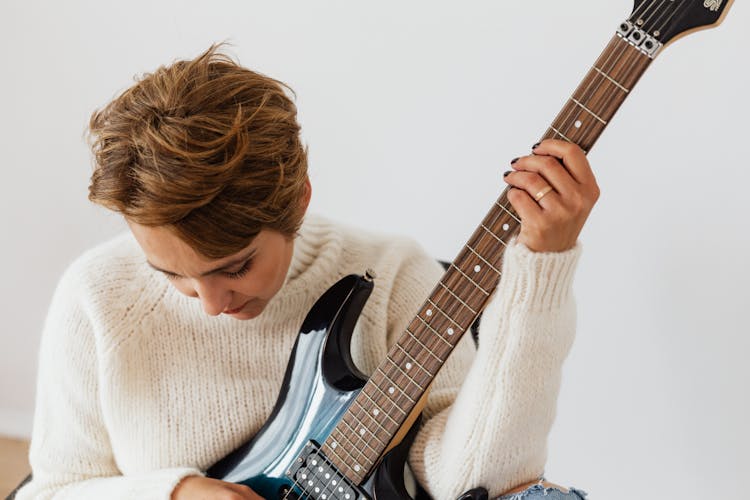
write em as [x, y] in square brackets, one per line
[214, 298]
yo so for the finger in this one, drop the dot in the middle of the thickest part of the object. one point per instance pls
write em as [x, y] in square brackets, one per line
[526, 208]
[572, 157]
[551, 171]
[535, 185]
[243, 490]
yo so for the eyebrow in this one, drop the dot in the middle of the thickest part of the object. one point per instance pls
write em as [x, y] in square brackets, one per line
[236, 261]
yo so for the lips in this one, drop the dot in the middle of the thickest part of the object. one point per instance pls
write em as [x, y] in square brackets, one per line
[234, 311]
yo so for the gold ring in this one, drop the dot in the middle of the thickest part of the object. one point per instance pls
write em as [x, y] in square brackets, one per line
[541, 194]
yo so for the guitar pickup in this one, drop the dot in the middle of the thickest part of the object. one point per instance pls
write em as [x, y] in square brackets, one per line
[315, 477]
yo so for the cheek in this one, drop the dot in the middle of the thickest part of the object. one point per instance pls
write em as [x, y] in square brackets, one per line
[184, 288]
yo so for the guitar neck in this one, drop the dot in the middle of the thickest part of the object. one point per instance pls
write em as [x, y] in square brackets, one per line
[393, 392]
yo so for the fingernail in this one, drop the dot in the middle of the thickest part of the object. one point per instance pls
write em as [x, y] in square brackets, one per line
[506, 173]
[514, 160]
[535, 145]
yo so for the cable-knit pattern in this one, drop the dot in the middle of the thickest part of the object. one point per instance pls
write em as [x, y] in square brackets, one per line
[138, 388]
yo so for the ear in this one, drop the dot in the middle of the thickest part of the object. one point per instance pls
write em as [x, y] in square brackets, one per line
[305, 201]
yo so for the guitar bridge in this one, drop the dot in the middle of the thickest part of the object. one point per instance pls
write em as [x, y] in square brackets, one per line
[316, 478]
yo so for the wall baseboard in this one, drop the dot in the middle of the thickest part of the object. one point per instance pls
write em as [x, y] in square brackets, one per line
[15, 423]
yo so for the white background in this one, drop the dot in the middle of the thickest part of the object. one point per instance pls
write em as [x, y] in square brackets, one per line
[412, 111]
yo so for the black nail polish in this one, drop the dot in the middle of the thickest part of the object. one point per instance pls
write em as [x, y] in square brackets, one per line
[506, 173]
[514, 160]
[535, 145]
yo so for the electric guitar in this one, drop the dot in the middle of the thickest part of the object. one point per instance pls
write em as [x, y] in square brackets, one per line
[334, 434]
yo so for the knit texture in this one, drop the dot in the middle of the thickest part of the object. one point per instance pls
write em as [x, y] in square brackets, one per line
[138, 388]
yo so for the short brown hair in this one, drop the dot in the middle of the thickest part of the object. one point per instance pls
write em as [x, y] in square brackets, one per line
[206, 148]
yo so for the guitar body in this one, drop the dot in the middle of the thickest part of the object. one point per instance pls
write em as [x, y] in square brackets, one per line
[320, 383]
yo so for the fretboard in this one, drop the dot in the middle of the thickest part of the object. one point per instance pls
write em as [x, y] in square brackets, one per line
[392, 392]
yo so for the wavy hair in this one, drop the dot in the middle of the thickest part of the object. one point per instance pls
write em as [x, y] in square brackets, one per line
[204, 147]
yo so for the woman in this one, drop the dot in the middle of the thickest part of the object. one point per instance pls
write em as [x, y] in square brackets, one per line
[165, 347]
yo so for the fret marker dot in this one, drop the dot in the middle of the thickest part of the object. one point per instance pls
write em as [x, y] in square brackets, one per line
[333, 482]
[347, 496]
[376, 412]
[391, 390]
[310, 483]
[429, 312]
[317, 490]
[408, 365]
[357, 467]
[304, 476]
[477, 268]
[334, 444]
[361, 432]
[450, 331]
[323, 496]
[328, 476]
[506, 227]
[578, 123]
[320, 469]
[315, 462]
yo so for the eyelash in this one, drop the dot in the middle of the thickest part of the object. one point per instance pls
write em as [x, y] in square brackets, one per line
[236, 275]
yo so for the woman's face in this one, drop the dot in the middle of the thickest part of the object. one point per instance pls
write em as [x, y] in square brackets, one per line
[240, 285]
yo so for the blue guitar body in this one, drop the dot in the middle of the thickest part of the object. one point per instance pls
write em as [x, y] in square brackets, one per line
[320, 383]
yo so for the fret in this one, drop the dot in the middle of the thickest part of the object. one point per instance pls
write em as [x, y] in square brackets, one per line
[390, 388]
[421, 367]
[353, 461]
[562, 135]
[458, 298]
[359, 430]
[395, 385]
[617, 84]
[437, 334]
[481, 288]
[482, 274]
[329, 453]
[473, 296]
[588, 110]
[359, 444]
[380, 410]
[508, 212]
[494, 235]
[386, 397]
[411, 335]
[483, 259]
[365, 411]
[444, 314]
[416, 384]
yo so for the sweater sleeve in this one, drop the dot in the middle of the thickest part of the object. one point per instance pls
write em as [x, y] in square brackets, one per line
[70, 454]
[490, 411]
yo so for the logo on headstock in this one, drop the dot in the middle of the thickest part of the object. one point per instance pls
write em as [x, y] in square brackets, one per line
[712, 5]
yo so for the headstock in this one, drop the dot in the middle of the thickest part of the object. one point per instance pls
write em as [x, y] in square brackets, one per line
[664, 21]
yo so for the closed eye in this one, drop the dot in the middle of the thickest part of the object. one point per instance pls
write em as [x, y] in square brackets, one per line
[242, 272]
[233, 275]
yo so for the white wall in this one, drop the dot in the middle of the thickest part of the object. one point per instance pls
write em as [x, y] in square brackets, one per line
[412, 111]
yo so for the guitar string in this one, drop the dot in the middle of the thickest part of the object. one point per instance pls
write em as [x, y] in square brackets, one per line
[658, 11]
[669, 19]
[654, 25]
[304, 489]
[307, 489]
[596, 82]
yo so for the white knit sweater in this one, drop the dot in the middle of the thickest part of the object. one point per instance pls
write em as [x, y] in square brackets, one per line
[138, 387]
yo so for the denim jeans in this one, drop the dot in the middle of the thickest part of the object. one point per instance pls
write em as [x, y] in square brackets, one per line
[540, 492]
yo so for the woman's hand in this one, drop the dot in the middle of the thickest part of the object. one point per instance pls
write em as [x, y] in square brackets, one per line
[553, 192]
[200, 488]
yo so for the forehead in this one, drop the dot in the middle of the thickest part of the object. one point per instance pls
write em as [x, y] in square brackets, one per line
[165, 250]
